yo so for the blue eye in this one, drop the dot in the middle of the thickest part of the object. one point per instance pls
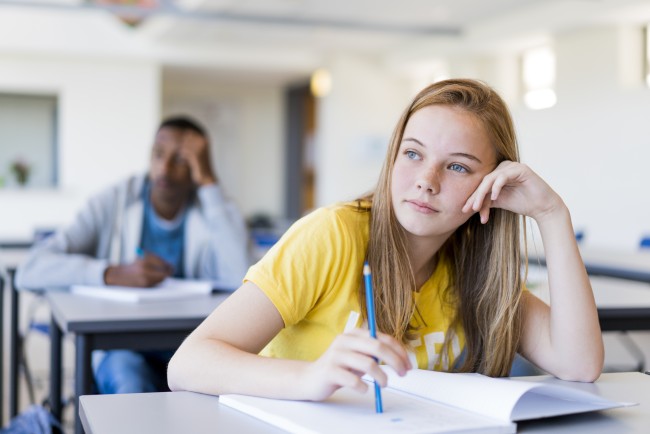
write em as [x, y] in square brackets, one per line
[412, 155]
[457, 168]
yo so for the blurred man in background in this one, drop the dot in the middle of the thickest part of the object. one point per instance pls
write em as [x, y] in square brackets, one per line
[173, 222]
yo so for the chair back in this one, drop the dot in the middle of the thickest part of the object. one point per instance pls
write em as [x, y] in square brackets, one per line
[645, 242]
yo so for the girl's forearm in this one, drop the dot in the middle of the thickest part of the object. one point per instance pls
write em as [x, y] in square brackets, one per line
[574, 330]
[214, 367]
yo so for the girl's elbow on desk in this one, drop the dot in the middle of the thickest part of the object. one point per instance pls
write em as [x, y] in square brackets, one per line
[174, 372]
[182, 370]
[585, 376]
[585, 371]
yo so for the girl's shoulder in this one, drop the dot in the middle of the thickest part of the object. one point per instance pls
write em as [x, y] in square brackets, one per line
[333, 224]
[339, 214]
[355, 210]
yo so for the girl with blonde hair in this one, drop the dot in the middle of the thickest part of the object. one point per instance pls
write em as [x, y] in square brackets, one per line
[441, 233]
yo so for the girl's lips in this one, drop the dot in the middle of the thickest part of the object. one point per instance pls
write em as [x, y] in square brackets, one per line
[422, 207]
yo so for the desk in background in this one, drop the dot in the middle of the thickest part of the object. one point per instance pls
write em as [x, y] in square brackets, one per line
[181, 412]
[12, 255]
[103, 325]
[622, 304]
[630, 265]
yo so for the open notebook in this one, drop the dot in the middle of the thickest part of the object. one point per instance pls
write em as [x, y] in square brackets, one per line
[425, 402]
[168, 289]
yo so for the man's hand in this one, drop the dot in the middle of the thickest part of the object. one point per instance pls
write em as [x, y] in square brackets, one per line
[144, 272]
[195, 149]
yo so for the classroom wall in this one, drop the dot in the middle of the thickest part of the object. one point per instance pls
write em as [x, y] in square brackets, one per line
[593, 147]
[246, 126]
[354, 124]
[108, 112]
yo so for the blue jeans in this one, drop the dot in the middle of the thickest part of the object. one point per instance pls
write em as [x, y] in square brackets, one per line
[123, 371]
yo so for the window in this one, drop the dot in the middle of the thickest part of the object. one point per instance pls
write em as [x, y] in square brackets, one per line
[538, 71]
[28, 151]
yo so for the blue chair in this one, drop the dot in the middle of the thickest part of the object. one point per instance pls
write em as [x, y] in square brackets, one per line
[645, 242]
[523, 368]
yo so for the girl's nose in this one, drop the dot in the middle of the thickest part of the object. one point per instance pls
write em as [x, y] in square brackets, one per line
[429, 181]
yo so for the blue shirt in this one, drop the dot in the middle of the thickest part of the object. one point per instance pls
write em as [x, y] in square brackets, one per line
[164, 238]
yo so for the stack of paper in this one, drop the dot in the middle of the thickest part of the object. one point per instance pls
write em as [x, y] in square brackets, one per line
[169, 289]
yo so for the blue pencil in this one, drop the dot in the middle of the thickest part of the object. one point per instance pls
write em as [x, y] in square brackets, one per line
[372, 325]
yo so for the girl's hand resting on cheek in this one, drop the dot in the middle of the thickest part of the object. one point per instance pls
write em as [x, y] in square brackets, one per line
[514, 187]
[350, 356]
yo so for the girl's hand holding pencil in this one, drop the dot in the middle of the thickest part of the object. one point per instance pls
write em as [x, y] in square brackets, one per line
[351, 356]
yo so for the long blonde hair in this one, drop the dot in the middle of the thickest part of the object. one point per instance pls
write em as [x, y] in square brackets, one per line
[484, 259]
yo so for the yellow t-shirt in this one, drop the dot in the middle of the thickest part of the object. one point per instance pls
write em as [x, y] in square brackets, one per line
[313, 275]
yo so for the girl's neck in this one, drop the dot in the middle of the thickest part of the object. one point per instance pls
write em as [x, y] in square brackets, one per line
[423, 256]
[425, 272]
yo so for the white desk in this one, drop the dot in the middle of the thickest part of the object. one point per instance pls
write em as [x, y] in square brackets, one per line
[101, 324]
[624, 264]
[185, 412]
[12, 257]
[622, 304]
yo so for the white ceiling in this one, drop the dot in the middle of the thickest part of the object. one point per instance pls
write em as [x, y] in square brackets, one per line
[279, 39]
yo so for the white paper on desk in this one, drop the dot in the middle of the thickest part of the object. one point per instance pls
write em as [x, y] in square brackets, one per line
[350, 412]
[168, 289]
[500, 398]
[426, 402]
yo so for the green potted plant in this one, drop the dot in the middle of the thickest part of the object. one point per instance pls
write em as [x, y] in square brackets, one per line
[20, 169]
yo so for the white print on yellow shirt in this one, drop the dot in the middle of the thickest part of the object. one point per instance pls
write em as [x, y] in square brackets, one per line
[432, 344]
